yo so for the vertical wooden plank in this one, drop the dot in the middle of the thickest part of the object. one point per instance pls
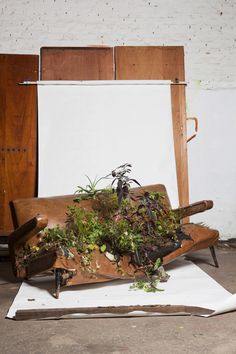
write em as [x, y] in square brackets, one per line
[81, 63]
[161, 63]
[18, 126]
[2, 142]
[180, 141]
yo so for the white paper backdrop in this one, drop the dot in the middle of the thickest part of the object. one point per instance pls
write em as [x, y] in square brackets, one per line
[90, 128]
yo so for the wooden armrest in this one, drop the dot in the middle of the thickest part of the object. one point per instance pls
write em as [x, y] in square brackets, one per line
[194, 208]
[201, 237]
[27, 230]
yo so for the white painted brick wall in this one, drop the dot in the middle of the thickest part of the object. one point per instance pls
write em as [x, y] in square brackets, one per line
[207, 29]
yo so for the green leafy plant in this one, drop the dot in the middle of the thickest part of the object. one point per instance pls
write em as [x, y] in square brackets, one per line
[142, 227]
[120, 175]
[90, 191]
[148, 286]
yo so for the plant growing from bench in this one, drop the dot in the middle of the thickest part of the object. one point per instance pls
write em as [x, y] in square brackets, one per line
[119, 224]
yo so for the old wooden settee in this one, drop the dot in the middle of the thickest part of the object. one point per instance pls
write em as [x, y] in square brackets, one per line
[32, 215]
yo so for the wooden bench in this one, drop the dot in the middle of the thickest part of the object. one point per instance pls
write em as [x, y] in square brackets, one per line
[32, 215]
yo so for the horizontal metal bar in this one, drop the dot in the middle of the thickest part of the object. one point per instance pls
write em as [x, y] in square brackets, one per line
[104, 82]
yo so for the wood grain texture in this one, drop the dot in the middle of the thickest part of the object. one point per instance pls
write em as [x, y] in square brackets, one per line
[178, 101]
[149, 63]
[161, 63]
[18, 131]
[194, 208]
[55, 207]
[22, 315]
[80, 63]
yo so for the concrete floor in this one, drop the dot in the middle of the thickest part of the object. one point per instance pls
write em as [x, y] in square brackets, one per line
[174, 334]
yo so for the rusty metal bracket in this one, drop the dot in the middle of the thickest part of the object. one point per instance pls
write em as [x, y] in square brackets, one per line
[195, 119]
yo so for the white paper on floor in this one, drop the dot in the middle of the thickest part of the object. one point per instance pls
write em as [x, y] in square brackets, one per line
[188, 286]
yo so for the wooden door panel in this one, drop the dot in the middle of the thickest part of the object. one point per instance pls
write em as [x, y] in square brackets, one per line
[149, 63]
[85, 63]
[18, 126]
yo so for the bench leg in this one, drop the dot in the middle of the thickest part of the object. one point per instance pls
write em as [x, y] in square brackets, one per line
[213, 253]
[57, 282]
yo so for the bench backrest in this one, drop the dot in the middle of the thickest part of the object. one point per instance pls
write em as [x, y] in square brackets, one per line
[55, 207]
